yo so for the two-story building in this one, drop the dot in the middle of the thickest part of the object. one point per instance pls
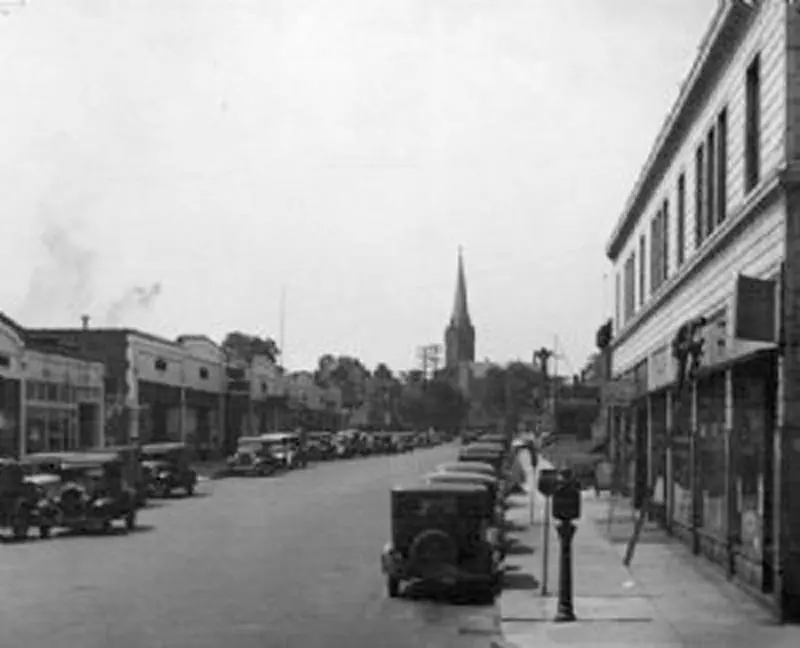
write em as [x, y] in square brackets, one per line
[155, 389]
[51, 397]
[704, 251]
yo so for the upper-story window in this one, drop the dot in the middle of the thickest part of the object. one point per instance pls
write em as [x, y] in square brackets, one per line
[722, 165]
[630, 288]
[5, 361]
[680, 216]
[752, 124]
[711, 182]
[203, 373]
[642, 255]
[263, 387]
[618, 302]
[160, 364]
[699, 196]
[665, 240]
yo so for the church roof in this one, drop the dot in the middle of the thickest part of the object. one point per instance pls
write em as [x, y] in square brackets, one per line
[460, 316]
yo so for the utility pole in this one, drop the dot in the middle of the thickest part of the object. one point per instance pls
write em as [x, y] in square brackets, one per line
[430, 358]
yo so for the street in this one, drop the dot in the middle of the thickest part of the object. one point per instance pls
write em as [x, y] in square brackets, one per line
[285, 561]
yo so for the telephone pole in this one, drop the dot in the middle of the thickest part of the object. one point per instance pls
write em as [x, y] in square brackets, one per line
[430, 358]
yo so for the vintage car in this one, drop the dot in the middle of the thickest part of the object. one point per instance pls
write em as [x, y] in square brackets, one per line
[497, 459]
[284, 446]
[492, 484]
[85, 491]
[441, 533]
[169, 468]
[467, 466]
[133, 472]
[20, 502]
[254, 456]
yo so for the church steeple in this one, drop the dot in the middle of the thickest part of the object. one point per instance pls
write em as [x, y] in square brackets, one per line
[460, 334]
[460, 316]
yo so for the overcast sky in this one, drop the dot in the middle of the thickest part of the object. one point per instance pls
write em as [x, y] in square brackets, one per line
[343, 149]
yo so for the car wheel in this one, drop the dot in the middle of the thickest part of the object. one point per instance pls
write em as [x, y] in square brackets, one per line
[392, 586]
[130, 520]
[44, 532]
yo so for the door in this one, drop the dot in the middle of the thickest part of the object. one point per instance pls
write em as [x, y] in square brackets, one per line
[87, 424]
[640, 479]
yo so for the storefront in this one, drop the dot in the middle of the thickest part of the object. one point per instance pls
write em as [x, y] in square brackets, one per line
[63, 397]
[11, 411]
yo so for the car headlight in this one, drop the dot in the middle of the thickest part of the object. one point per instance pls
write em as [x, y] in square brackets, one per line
[163, 475]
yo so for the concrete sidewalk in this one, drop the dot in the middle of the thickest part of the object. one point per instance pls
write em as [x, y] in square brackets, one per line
[668, 597]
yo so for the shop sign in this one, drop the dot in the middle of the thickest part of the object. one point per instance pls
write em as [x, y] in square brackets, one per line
[755, 311]
[660, 369]
[620, 392]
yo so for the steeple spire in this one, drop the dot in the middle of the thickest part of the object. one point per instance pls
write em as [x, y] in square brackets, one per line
[460, 316]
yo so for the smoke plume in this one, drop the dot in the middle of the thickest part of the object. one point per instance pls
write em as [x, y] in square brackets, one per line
[135, 299]
[61, 286]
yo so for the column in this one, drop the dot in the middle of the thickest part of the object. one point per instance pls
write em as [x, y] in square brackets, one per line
[182, 416]
[730, 475]
[693, 463]
[787, 588]
[22, 419]
[669, 496]
[651, 460]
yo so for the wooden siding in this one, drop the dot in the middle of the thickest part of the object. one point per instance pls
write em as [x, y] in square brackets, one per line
[757, 251]
[767, 35]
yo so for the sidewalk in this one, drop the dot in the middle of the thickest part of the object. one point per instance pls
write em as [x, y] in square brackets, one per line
[668, 597]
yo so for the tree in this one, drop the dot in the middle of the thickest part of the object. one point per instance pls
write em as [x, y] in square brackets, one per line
[244, 347]
[345, 372]
[436, 403]
[511, 391]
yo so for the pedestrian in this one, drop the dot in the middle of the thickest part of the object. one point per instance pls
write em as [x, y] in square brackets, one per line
[302, 442]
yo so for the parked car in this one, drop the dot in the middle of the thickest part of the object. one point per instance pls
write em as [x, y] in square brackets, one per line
[254, 456]
[169, 468]
[20, 502]
[441, 533]
[86, 491]
[284, 446]
[133, 473]
[320, 446]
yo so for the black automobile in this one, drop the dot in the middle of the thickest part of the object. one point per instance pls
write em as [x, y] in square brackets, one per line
[254, 456]
[441, 533]
[168, 467]
[20, 502]
[83, 492]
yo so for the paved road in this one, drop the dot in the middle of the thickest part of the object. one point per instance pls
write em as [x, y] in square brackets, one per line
[290, 561]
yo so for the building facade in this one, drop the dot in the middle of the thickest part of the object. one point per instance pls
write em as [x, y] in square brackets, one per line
[707, 306]
[51, 398]
[155, 389]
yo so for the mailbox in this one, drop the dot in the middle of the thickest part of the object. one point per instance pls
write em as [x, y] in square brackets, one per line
[567, 497]
[548, 481]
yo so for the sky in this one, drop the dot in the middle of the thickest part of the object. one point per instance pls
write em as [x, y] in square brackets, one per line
[177, 165]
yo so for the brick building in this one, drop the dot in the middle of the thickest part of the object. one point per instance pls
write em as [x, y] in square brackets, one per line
[704, 258]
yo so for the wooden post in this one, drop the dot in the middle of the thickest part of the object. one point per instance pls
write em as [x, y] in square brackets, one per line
[693, 469]
[669, 497]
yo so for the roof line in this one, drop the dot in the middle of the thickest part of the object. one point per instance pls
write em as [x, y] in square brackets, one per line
[710, 38]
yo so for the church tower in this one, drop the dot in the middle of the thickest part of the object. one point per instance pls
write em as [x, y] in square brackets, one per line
[459, 337]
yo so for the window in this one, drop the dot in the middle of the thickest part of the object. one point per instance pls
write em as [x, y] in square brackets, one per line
[160, 364]
[5, 361]
[203, 373]
[263, 387]
[618, 302]
[699, 201]
[52, 392]
[630, 287]
[752, 124]
[642, 254]
[722, 166]
[654, 252]
[681, 217]
[711, 182]
[665, 240]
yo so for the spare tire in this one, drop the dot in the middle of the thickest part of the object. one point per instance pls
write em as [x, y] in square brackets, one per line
[432, 549]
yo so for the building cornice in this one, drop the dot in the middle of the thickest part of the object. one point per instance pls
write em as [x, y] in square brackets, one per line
[708, 62]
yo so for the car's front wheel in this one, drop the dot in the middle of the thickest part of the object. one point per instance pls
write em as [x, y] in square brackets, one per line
[392, 586]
